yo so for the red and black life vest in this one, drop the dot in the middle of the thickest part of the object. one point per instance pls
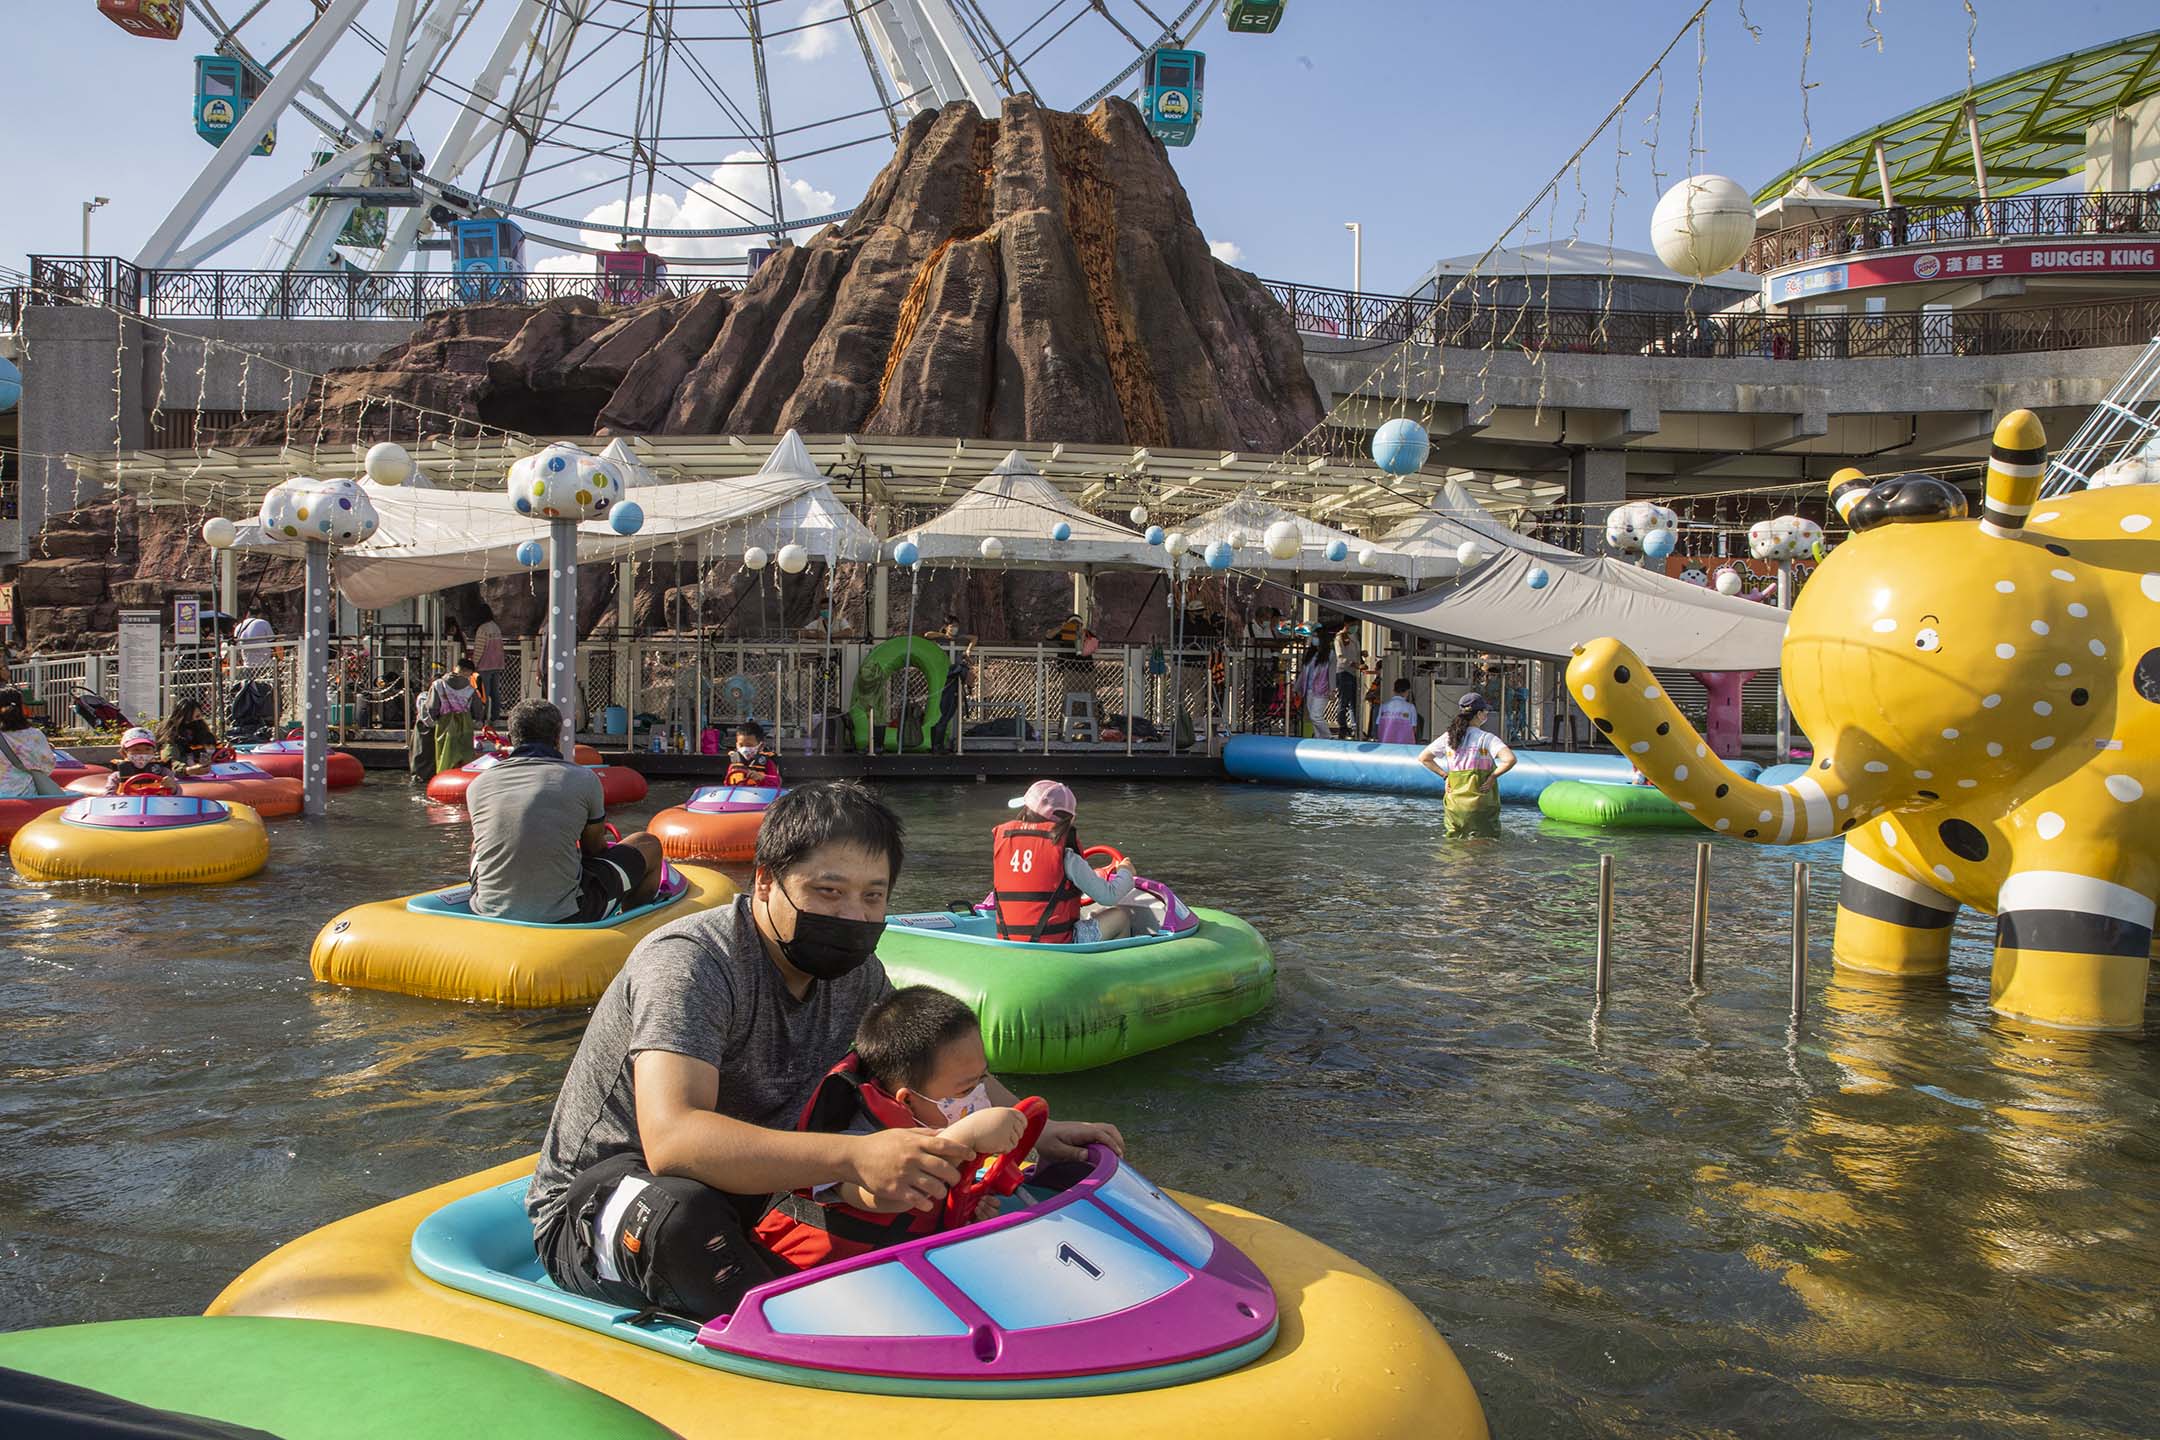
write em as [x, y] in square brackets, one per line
[1034, 900]
[759, 769]
[803, 1231]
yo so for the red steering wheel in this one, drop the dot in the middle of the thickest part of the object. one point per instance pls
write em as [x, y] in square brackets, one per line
[489, 737]
[224, 755]
[1002, 1175]
[1117, 856]
[146, 785]
[612, 833]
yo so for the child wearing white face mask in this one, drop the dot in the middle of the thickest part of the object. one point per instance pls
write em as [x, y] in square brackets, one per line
[918, 1061]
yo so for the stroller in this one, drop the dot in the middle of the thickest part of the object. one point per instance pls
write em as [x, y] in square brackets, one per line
[253, 713]
[96, 711]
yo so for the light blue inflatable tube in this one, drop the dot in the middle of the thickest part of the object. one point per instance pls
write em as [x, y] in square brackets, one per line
[1360, 765]
[1776, 775]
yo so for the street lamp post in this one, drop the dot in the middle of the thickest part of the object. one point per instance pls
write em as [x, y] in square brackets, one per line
[87, 207]
[1357, 274]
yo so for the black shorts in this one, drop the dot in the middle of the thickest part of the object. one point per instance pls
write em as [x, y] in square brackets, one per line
[607, 881]
[675, 1245]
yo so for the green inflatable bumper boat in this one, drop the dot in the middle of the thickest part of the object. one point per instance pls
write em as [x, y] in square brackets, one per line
[1047, 1009]
[1613, 807]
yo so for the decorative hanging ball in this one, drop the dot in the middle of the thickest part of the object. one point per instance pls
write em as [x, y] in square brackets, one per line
[388, 464]
[1155, 535]
[755, 558]
[219, 533]
[1337, 551]
[1139, 514]
[1728, 581]
[1061, 531]
[1783, 537]
[792, 559]
[991, 548]
[1220, 555]
[627, 518]
[1629, 525]
[1538, 578]
[1703, 225]
[907, 552]
[1282, 540]
[322, 512]
[1367, 556]
[1658, 544]
[1400, 447]
[1468, 554]
[1176, 541]
[532, 554]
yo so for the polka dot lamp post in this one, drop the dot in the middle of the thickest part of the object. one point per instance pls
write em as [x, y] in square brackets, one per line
[1784, 539]
[564, 485]
[323, 515]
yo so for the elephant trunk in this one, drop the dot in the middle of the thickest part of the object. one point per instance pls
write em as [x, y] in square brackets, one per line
[1621, 697]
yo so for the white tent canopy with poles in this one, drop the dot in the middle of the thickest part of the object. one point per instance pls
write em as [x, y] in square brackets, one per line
[1433, 539]
[1021, 509]
[1244, 522]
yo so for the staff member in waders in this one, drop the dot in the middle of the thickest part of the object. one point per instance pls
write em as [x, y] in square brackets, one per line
[1471, 760]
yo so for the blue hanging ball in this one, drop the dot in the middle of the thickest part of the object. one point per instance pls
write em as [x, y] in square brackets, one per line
[1338, 551]
[1061, 531]
[1400, 447]
[627, 518]
[1659, 543]
[1538, 579]
[530, 555]
[907, 552]
[1219, 555]
[1154, 535]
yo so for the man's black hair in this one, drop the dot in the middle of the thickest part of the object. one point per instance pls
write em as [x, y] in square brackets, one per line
[898, 1041]
[751, 728]
[1402, 687]
[535, 722]
[838, 812]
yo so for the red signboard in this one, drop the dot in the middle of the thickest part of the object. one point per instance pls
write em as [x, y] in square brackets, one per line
[7, 605]
[2083, 256]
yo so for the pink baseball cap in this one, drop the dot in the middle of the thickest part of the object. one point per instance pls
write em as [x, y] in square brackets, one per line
[1047, 797]
[137, 736]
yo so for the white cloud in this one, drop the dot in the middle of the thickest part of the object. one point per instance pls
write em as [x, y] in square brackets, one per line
[741, 179]
[1227, 251]
[820, 41]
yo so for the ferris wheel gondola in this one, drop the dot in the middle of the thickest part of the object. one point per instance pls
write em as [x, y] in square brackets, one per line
[1253, 17]
[148, 19]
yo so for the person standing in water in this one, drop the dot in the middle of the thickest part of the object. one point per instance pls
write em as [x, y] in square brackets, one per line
[1471, 760]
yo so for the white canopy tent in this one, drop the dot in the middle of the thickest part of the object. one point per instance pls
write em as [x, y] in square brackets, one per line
[1808, 201]
[1020, 508]
[1431, 540]
[1244, 521]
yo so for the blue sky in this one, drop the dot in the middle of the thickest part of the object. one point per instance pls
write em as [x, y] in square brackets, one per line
[1429, 123]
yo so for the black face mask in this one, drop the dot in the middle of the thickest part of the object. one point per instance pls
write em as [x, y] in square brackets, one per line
[827, 947]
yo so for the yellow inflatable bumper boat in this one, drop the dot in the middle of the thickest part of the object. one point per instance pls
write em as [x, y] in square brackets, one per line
[433, 946]
[1101, 1306]
[143, 840]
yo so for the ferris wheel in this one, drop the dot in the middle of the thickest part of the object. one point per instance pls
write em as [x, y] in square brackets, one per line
[619, 134]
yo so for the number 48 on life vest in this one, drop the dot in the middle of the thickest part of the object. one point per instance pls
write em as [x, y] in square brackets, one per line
[1023, 862]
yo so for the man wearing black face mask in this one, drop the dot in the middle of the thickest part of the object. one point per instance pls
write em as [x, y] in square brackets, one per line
[675, 1122]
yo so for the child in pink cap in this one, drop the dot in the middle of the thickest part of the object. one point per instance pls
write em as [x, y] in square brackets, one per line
[1040, 881]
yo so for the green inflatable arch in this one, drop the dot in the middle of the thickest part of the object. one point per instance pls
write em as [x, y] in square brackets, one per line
[900, 653]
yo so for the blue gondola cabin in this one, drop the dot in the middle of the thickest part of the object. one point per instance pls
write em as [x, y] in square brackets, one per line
[631, 275]
[1254, 17]
[150, 19]
[490, 258]
[1170, 99]
[224, 89]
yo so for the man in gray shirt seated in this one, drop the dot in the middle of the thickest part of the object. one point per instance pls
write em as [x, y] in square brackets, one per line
[539, 823]
[675, 1126]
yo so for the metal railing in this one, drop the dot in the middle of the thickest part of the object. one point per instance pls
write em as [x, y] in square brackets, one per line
[2021, 217]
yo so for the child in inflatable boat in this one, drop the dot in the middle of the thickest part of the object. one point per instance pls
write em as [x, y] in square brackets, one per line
[138, 756]
[918, 1063]
[752, 761]
[1039, 881]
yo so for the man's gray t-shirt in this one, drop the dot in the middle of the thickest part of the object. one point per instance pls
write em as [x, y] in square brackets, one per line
[528, 815]
[701, 987]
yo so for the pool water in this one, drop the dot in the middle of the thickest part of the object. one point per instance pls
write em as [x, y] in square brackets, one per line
[1672, 1217]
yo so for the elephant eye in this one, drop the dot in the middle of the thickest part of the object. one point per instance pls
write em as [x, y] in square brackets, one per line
[1926, 638]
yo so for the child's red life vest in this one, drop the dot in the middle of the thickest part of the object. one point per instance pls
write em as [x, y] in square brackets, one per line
[1034, 901]
[805, 1232]
[759, 770]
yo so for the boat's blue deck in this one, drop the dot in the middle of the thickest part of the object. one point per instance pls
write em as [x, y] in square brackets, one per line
[455, 903]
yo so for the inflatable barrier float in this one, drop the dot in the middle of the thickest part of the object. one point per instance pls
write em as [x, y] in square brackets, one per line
[285, 759]
[1602, 805]
[142, 839]
[619, 784]
[1048, 1009]
[1394, 769]
[718, 822]
[433, 946]
[14, 814]
[307, 1380]
[1106, 1307]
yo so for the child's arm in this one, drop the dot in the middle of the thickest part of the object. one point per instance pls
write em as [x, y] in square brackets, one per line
[989, 1132]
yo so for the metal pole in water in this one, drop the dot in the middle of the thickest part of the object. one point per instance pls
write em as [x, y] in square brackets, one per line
[1698, 932]
[1604, 925]
[1799, 938]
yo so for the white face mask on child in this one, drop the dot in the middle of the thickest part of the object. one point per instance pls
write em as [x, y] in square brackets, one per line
[959, 1109]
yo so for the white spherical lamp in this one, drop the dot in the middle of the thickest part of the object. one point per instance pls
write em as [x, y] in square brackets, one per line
[991, 548]
[1176, 541]
[1138, 514]
[755, 558]
[792, 559]
[1703, 225]
[219, 533]
[1282, 540]
[1467, 554]
[388, 464]
[1728, 581]
[1367, 556]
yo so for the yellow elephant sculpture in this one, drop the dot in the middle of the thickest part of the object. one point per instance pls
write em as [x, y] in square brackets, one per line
[1984, 698]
